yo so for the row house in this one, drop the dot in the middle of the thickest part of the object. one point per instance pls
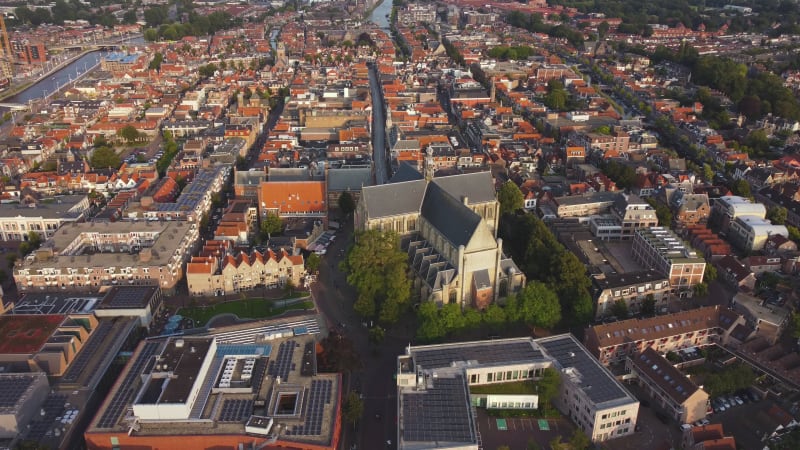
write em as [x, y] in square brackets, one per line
[674, 392]
[707, 242]
[208, 275]
[613, 343]
[632, 288]
[733, 272]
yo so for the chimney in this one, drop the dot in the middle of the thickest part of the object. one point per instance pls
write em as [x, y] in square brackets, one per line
[465, 200]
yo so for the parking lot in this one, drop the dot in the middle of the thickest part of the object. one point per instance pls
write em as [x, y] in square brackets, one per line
[520, 431]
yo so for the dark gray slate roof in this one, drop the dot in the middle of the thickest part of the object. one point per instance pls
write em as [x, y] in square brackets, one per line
[394, 199]
[352, 179]
[456, 222]
[477, 187]
[405, 173]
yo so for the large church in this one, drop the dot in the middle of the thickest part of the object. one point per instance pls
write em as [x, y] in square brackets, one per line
[448, 227]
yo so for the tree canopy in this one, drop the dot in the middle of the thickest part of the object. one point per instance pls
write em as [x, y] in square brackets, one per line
[377, 268]
[105, 157]
[346, 203]
[271, 224]
[541, 257]
[536, 305]
[510, 198]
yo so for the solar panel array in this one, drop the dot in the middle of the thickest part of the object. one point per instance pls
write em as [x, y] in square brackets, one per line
[97, 339]
[40, 304]
[487, 352]
[236, 410]
[130, 297]
[439, 414]
[53, 407]
[12, 388]
[319, 395]
[598, 384]
[282, 364]
[127, 388]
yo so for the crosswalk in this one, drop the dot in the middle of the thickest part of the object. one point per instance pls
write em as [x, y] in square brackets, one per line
[252, 335]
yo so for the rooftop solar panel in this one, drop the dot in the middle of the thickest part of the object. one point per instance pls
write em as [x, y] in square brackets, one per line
[238, 410]
[486, 352]
[12, 388]
[440, 414]
[53, 407]
[282, 364]
[598, 384]
[127, 388]
[97, 339]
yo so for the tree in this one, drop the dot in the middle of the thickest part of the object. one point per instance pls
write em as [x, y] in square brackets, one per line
[602, 30]
[741, 188]
[346, 203]
[649, 305]
[129, 133]
[104, 158]
[155, 64]
[710, 274]
[377, 268]
[129, 17]
[556, 444]
[795, 324]
[700, 290]
[548, 387]
[510, 198]
[777, 215]
[539, 305]
[619, 309]
[353, 407]
[579, 440]
[494, 317]
[272, 223]
[708, 173]
[312, 262]
[430, 328]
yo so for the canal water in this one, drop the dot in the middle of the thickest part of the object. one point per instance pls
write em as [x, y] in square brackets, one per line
[380, 15]
[63, 76]
[58, 79]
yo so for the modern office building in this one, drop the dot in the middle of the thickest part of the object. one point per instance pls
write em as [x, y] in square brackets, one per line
[750, 233]
[435, 402]
[661, 250]
[254, 386]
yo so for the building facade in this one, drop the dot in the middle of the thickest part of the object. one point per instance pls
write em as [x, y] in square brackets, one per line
[89, 256]
[612, 343]
[632, 288]
[661, 250]
[211, 276]
[589, 394]
[42, 218]
[675, 393]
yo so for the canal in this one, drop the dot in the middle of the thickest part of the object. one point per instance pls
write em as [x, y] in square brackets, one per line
[380, 15]
[63, 76]
[58, 79]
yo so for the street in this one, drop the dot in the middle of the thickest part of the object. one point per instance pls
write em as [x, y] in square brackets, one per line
[334, 299]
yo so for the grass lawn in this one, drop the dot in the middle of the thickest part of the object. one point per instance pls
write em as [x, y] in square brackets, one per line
[251, 308]
[514, 388]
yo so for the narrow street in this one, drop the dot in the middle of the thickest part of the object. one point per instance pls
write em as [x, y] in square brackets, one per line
[378, 128]
[334, 299]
